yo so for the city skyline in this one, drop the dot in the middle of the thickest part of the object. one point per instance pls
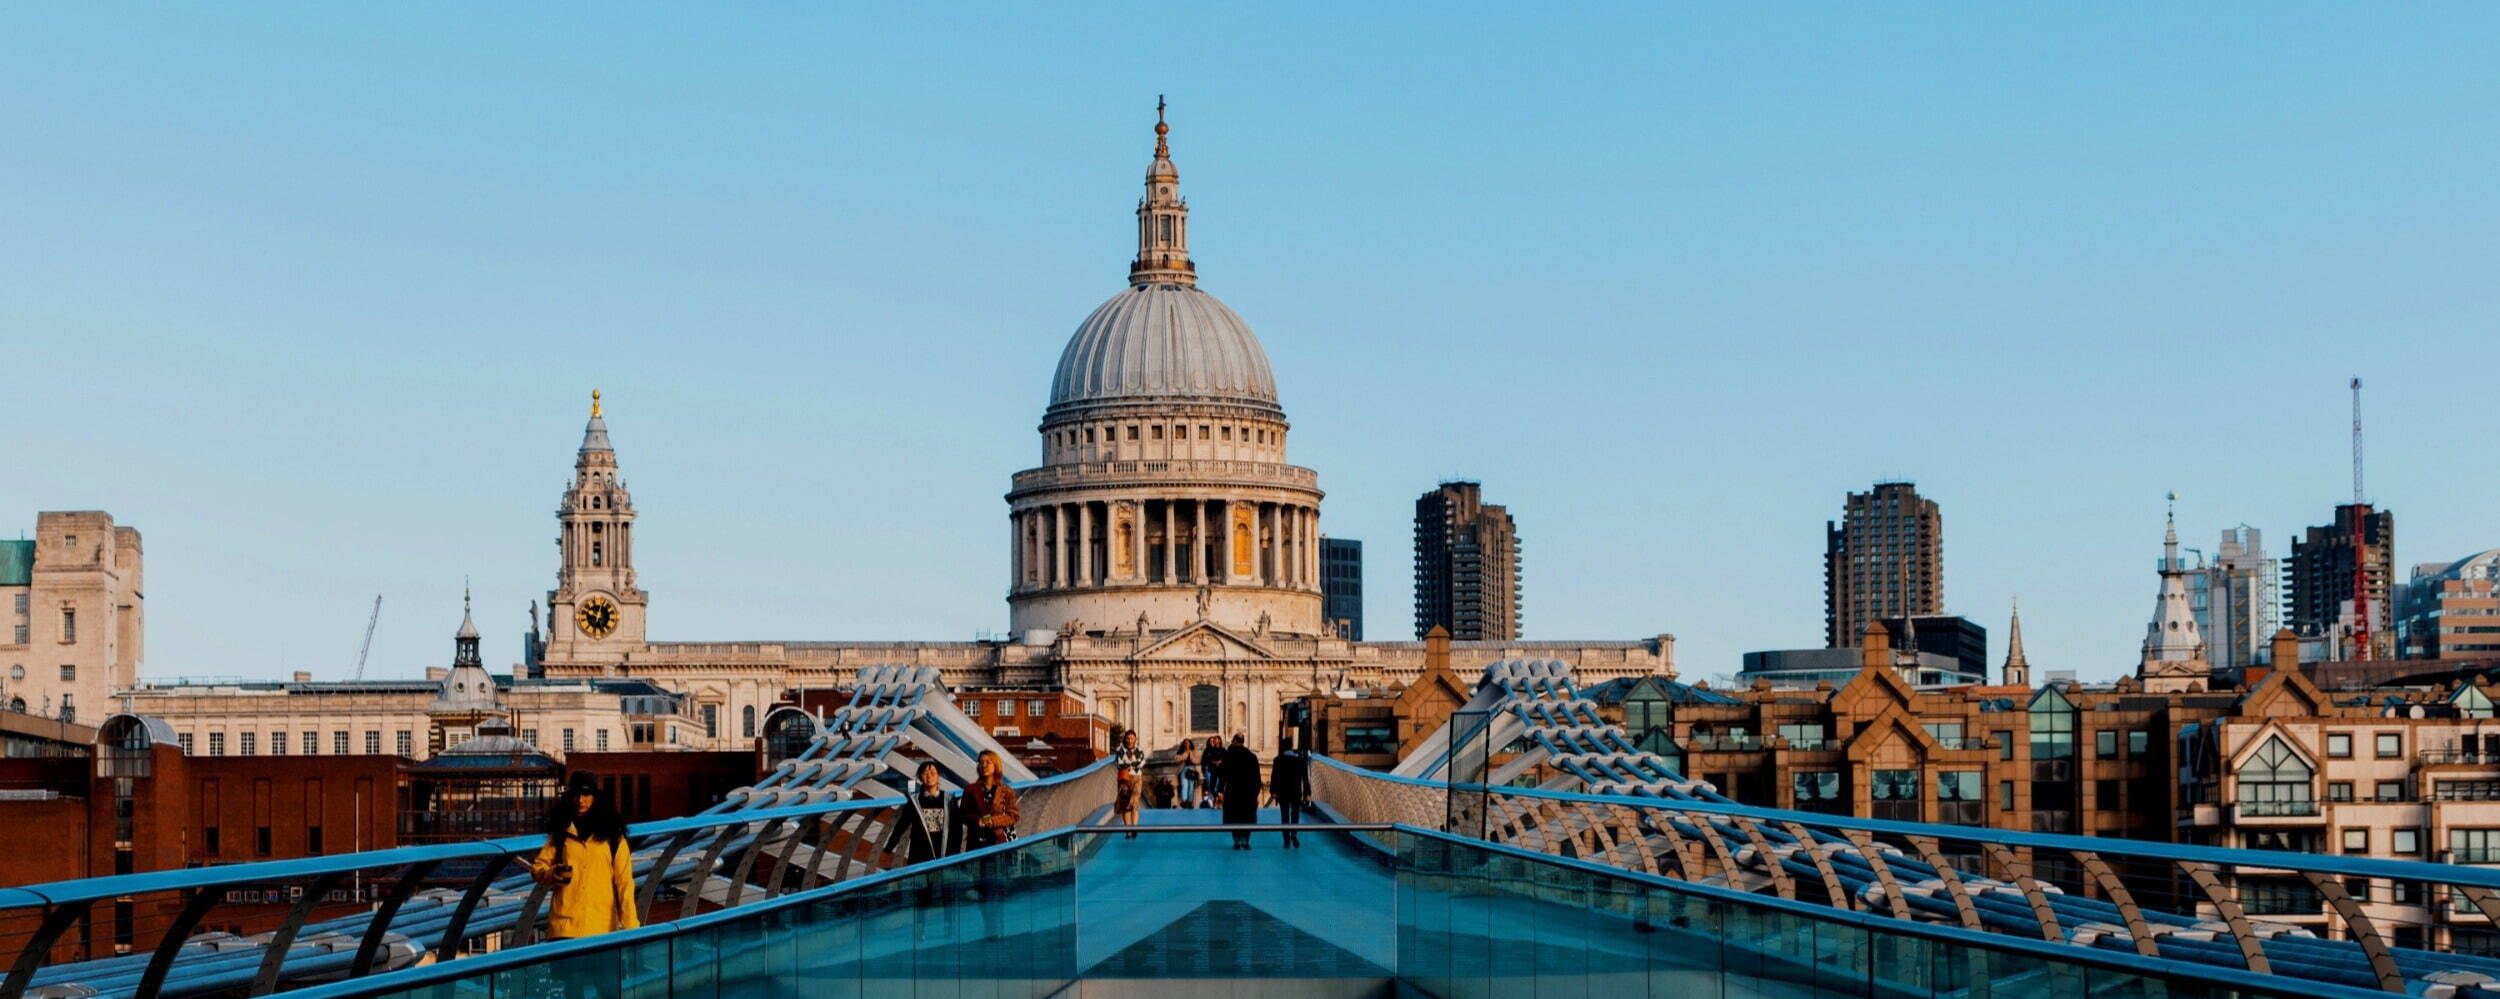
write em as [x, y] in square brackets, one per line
[364, 400]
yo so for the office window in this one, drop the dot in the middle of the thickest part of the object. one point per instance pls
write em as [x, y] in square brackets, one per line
[69, 711]
[2390, 745]
[69, 672]
[405, 743]
[2005, 744]
[529, 735]
[338, 742]
[568, 740]
[2138, 742]
[746, 721]
[602, 740]
[2404, 841]
[2391, 790]
[250, 743]
[69, 625]
[373, 744]
[1816, 791]
[2105, 743]
[972, 709]
[1034, 709]
[186, 743]
[2403, 892]
[21, 603]
[711, 722]
[2473, 846]
[2358, 888]
[312, 743]
[217, 744]
[2339, 745]
[2105, 795]
[2356, 841]
[277, 744]
[21, 634]
[2339, 790]
[2005, 796]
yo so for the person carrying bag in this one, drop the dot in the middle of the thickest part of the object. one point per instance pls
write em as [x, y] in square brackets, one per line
[587, 865]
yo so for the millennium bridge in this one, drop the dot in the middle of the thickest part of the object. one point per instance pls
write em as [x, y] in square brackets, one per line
[1614, 876]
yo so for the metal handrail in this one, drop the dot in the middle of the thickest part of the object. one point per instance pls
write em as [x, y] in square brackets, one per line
[748, 832]
[2412, 870]
[406, 980]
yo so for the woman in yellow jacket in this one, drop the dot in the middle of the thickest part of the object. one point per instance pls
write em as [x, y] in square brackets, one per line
[587, 864]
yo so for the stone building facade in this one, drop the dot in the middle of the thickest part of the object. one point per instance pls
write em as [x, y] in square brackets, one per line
[73, 615]
[1163, 559]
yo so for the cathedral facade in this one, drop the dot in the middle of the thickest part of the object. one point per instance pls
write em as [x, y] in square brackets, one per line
[1163, 558]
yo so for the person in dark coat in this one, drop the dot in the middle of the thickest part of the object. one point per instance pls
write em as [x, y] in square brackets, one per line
[926, 827]
[1241, 789]
[1289, 786]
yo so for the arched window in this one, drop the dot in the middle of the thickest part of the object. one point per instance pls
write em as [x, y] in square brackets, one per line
[747, 725]
[787, 733]
[17, 704]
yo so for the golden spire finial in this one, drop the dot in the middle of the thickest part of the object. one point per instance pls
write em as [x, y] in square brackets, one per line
[594, 402]
[1161, 129]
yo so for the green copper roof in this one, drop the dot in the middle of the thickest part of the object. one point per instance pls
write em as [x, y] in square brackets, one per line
[17, 563]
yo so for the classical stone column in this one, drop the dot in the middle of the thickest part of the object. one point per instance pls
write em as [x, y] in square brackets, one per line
[1058, 545]
[1015, 552]
[1198, 540]
[1269, 564]
[1085, 544]
[1221, 565]
[1171, 543]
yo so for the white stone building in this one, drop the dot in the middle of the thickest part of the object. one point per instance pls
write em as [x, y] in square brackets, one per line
[1163, 559]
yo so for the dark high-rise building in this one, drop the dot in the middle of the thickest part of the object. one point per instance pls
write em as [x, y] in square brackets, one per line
[2318, 582]
[1957, 638]
[1883, 559]
[1341, 585]
[1466, 565]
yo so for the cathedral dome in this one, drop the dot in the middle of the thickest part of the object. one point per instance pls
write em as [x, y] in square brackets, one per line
[1155, 342]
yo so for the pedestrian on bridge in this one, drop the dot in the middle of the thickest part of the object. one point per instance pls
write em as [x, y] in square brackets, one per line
[1289, 788]
[1241, 789]
[1211, 773]
[587, 865]
[1186, 757]
[1131, 761]
[927, 826]
[989, 808]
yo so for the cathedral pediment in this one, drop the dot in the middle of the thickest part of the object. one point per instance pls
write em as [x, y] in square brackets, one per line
[1205, 642]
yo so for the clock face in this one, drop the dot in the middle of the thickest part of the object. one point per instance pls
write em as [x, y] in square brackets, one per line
[596, 617]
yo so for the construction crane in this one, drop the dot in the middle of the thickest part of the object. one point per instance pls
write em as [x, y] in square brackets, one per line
[367, 648]
[2360, 540]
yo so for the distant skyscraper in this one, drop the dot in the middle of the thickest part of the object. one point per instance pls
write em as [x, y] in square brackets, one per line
[2319, 578]
[1341, 583]
[1957, 638]
[2451, 610]
[1883, 559]
[2234, 596]
[1466, 565]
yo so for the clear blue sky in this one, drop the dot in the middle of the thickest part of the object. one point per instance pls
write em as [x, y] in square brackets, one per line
[313, 295]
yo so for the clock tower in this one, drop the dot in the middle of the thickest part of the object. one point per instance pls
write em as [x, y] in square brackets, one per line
[595, 612]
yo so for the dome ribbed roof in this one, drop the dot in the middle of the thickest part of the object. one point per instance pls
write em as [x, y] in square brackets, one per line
[1163, 341]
